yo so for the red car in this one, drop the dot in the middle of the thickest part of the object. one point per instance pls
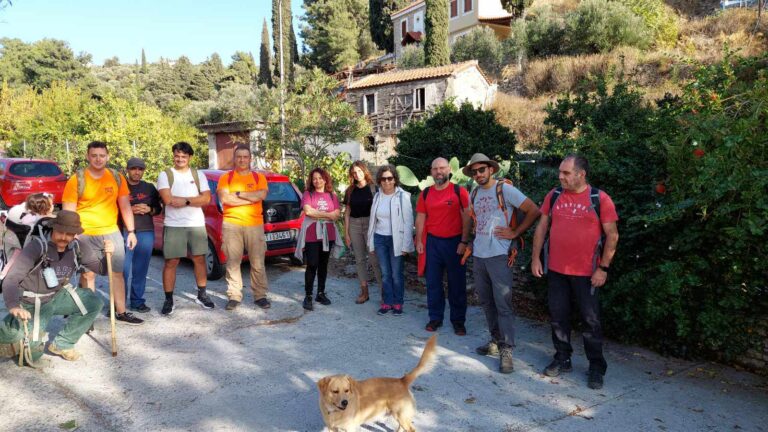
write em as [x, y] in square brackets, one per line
[282, 220]
[21, 177]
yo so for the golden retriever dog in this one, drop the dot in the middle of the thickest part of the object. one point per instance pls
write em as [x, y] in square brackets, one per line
[347, 403]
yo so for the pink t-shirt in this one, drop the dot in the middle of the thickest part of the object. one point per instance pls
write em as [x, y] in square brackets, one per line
[324, 202]
[575, 231]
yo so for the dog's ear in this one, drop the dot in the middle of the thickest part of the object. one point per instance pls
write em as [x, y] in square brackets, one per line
[322, 385]
[352, 383]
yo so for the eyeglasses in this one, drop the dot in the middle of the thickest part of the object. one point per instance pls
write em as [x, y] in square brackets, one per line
[387, 179]
[477, 171]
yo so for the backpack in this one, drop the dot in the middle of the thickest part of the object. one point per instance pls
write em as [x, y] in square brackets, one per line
[594, 197]
[456, 189]
[80, 176]
[516, 245]
[169, 174]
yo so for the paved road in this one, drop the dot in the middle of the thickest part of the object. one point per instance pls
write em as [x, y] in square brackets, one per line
[256, 371]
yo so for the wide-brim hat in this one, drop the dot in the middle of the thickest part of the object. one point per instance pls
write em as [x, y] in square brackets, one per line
[67, 221]
[479, 158]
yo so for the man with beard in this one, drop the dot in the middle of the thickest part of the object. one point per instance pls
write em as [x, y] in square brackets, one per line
[442, 233]
[493, 205]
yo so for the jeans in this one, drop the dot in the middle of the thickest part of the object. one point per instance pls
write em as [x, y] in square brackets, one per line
[493, 284]
[442, 258]
[563, 288]
[392, 276]
[136, 266]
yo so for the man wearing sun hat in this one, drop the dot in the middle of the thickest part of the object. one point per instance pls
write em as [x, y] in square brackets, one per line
[32, 298]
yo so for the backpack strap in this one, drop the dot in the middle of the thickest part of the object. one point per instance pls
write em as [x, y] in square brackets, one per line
[457, 190]
[169, 173]
[552, 199]
[594, 196]
[118, 178]
[80, 177]
[196, 178]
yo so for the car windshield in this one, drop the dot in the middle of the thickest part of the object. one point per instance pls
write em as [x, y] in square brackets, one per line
[35, 169]
[282, 191]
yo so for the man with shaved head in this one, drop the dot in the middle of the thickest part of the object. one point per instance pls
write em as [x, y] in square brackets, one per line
[442, 234]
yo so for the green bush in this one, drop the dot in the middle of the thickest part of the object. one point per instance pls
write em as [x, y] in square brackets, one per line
[452, 132]
[482, 45]
[658, 17]
[411, 58]
[544, 32]
[600, 25]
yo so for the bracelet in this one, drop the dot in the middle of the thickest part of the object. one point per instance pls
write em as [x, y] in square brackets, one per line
[133, 231]
[604, 268]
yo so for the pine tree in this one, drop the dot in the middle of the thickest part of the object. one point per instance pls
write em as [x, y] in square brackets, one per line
[287, 42]
[213, 70]
[380, 22]
[436, 50]
[243, 69]
[143, 62]
[265, 61]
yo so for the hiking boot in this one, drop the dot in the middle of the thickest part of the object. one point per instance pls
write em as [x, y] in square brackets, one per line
[489, 349]
[595, 379]
[263, 303]
[459, 329]
[322, 299]
[66, 354]
[307, 303]
[9, 350]
[168, 307]
[141, 309]
[129, 318]
[397, 310]
[384, 309]
[505, 360]
[204, 301]
[232, 304]
[433, 325]
[557, 366]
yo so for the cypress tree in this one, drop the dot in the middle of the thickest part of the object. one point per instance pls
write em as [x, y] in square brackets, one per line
[143, 61]
[380, 22]
[288, 43]
[265, 61]
[436, 50]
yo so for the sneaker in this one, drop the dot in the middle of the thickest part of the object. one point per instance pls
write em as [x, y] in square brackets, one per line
[433, 325]
[141, 309]
[168, 307]
[204, 301]
[66, 354]
[384, 309]
[232, 304]
[505, 360]
[263, 303]
[595, 379]
[557, 366]
[459, 329]
[129, 318]
[397, 310]
[489, 349]
[307, 303]
[322, 299]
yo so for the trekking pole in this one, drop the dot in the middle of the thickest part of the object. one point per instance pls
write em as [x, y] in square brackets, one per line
[26, 349]
[111, 304]
[22, 343]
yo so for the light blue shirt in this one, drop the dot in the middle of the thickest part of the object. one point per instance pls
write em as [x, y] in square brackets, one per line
[489, 216]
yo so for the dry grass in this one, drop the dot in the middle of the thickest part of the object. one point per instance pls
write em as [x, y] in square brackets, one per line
[694, 7]
[558, 6]
[524, 116]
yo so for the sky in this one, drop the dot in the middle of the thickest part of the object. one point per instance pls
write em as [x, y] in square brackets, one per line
[163, 28]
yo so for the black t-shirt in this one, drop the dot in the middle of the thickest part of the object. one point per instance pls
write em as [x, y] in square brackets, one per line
[144, 193]
[360, 202]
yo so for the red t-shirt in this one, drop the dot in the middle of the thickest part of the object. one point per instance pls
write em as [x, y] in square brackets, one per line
[443, 210]
[575, 231]
[324, 202]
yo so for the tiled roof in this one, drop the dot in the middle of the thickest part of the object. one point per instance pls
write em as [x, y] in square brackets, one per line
[412, 5]
[406, 75]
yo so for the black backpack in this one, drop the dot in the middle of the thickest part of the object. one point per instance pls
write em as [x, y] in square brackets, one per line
[456, 188]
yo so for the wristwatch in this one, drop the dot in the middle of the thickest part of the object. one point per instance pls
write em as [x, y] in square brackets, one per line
[237, 194]
[604, 268]
[133, 231]
[188, 202]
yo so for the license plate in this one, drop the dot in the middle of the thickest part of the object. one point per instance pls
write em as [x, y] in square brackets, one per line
[280, 235]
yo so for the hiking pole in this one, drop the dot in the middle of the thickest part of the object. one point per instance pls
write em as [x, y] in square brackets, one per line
[111, 304]
[26, 349]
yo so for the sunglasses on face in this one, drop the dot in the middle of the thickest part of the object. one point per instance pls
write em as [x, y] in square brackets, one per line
[387, 179]
[480, 170]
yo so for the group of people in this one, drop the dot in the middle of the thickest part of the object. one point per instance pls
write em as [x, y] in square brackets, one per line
[108, 215]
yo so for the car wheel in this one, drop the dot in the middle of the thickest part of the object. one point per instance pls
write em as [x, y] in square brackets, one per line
[212, 263]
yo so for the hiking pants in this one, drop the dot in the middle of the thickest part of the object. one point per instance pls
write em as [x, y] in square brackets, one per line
[358, 232]
[493, 284]
[393, 278]
[235, 239]
[317, 264]
[76, 325]
[563, 289]
[136, 266]
[442, 258]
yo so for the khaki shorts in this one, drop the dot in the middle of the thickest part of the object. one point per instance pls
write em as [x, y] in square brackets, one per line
[96, 242]
[178, 242]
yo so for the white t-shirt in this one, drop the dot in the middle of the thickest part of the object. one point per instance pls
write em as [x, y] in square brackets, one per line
[384, 215]
[183, 186]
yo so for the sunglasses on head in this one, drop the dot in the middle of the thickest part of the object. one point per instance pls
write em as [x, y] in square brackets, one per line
[480, 170]
[386, 179]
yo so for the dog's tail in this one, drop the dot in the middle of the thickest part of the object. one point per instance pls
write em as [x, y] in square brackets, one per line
[424, 363]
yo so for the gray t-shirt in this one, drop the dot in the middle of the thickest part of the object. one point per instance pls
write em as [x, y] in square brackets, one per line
[489, 216]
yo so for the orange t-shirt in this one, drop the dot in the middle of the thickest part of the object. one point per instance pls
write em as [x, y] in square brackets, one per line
[97, 207]
[244, 215]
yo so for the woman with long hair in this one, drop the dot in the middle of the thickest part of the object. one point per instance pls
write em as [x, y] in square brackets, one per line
[318, 233]
[358, 199]
[390, 236]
